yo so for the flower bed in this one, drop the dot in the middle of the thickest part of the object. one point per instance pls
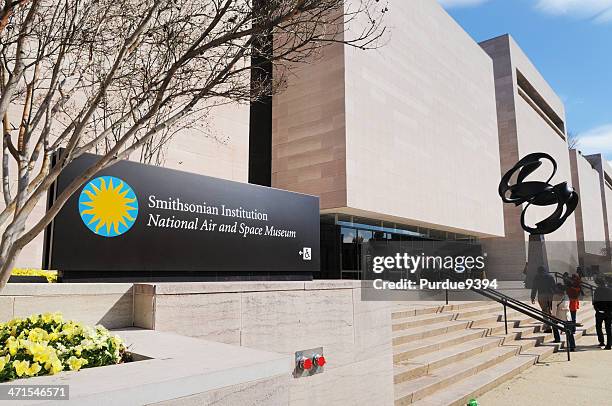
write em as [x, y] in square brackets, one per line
[50, 276]
[45, 344]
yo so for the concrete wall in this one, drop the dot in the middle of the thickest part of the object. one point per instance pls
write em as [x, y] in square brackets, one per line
[308, 130]
[421, 129]
[404, 133]
[285, 317]
[219, 147]
[590, 228]
[282, 317]
[525, 126]
[604, 178]
[108, 304]
[534, 135]
[201, 373]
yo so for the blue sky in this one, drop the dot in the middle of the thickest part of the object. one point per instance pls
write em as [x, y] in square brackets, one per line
[570, 42]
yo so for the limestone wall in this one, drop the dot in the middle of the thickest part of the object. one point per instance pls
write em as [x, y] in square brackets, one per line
[108, 304]
[285, 317]
[281, 317]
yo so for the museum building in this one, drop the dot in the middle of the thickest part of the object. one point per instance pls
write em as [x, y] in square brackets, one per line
[405, 143]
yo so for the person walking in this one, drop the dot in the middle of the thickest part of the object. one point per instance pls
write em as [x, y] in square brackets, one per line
[574, 291]
[543, 288]
[602, 302]
[561, 310]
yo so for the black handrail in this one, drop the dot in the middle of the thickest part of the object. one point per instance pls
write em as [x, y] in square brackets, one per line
[507, 301]
[582, 283]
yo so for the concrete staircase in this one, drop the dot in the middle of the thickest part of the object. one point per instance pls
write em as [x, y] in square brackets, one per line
[448, 354]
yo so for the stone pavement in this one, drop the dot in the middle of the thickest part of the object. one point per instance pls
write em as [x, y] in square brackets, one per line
[586, 379]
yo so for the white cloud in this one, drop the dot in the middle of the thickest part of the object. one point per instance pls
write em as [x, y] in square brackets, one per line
[460, 3]
[596, 140]
[605, 17]
[598, 10]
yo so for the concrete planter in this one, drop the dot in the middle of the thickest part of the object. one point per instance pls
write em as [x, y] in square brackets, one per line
[27, 279]
[177, 370]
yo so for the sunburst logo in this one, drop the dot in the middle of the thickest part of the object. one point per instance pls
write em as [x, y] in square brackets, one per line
[108, 206]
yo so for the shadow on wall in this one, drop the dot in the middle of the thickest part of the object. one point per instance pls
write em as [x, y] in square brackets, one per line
[111, 309]
[120, 314]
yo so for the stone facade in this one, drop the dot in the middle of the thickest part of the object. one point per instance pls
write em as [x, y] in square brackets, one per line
[590, 220]
[406, 133]
[285, 317]
[531, 118]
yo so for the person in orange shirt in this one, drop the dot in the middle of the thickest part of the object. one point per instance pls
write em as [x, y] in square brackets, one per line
[574, 291]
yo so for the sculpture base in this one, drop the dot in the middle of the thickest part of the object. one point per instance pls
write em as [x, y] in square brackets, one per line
[536, 257]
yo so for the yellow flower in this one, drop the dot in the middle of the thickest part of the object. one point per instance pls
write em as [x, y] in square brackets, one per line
[21, 367]
[53, 336]
[35, 349]
[33, 318]
[76, 363]
[38, 335]
[13, 345]
[42, 353]
[4, 360]
[34, 369]
[68, 330]
[54, 366]
[47, 318]
[117, 341]
[57, 317]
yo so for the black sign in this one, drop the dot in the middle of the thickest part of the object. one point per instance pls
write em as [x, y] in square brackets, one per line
[135, 217]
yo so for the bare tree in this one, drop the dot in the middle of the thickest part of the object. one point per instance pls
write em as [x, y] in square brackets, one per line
[573, 140]
[122, 76]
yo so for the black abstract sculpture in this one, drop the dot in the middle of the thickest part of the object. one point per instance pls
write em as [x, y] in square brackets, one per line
[538, 193]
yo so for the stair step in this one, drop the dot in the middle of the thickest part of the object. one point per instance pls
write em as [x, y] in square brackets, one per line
[413, 390]
[405, 371]
[411, 349]
[413, 368]
[488, 308]
[459, 393]
[412, 312]
[457, 352]
[450, 308]
[541, 352]
[423, 320]
[528, 339]
[417, 333]
[442, 361]
[495, 317]
[454, 307]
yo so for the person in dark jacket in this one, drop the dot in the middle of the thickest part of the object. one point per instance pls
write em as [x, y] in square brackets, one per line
[544, 287]
[602, 302]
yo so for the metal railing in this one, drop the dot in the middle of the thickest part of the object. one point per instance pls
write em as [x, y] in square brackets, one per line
[583, 285]
[568, 327]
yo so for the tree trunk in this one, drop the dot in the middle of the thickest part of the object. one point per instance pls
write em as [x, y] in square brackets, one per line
[9, 251]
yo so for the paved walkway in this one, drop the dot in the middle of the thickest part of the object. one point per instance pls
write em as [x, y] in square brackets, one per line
[585, 380]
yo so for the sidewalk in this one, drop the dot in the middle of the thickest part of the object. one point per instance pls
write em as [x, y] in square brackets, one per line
[586, 378]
